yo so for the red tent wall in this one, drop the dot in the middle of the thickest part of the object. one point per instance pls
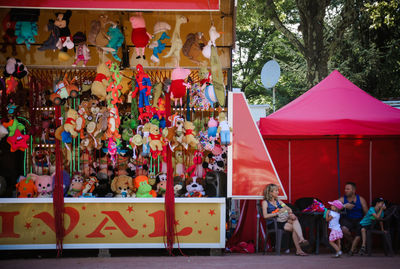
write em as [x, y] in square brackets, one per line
[313, 172]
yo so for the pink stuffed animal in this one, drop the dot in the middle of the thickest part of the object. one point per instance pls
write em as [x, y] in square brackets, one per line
[140, 37]
[178, 85]
[44, 185]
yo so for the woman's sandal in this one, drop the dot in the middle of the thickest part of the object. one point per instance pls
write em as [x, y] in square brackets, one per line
[304, 243]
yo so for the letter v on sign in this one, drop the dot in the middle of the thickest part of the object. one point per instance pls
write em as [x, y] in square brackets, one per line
[250, 166]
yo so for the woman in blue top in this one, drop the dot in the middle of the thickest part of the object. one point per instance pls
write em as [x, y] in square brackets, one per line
[270, 205]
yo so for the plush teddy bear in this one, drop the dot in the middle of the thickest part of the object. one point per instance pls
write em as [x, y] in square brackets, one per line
[76, 186]
[26, 187]
[194, 188]
[140, 37]
[100, 83]
[122, 186]
[44, 185]
[144, 189]
[70, 122]
[155, 140]
[189, 139]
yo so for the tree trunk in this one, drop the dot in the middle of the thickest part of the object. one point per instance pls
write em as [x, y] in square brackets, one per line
[312, 15]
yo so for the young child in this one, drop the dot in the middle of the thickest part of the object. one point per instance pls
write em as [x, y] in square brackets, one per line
[333, 216]
[375, 213]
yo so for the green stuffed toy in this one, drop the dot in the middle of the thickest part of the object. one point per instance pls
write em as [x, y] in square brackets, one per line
[25, 31]
[14, 125]
[116, 40]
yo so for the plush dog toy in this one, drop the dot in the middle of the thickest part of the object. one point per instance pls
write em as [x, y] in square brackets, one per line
[26, 187]
[194, 188]
[161, 180]
[122, 186]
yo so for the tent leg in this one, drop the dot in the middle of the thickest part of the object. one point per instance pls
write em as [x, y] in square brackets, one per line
[338, 164]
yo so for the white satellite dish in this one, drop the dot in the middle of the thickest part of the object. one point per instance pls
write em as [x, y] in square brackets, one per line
[270, 74]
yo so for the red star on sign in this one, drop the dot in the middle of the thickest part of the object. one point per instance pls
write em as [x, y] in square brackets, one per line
[212, 212]
[83, 207]
[43, 232]
[216, 228]
[199, 231]
[186, 212]
[130, 209]
[176, 222]
[18, 141]
[28, 225]
[144, 225]
[76, 236]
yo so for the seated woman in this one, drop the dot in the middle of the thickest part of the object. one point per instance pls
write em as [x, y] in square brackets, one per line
[270, 205]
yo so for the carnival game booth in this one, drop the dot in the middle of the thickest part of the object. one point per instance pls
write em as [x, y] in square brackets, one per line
[335, 133]
[115, 124]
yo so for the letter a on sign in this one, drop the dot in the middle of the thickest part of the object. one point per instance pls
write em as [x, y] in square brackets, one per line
[250, 166]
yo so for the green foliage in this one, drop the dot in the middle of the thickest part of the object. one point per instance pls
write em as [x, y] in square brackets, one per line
[368, 52]
[258, 42]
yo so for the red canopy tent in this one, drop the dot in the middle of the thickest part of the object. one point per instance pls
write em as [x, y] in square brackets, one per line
[332, 134]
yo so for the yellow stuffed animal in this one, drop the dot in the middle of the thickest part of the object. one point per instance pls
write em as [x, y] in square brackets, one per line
[189, 139]
[100, 83]
[155, 138]
[70, 122]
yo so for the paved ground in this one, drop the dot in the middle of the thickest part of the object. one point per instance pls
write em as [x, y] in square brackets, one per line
[231, 261]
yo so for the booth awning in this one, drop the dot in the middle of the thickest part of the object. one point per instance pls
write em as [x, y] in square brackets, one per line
[167, 5]
[335, 106]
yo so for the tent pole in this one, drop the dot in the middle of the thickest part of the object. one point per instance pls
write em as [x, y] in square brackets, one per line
[338, 164]
[290, 172]
[370, 171]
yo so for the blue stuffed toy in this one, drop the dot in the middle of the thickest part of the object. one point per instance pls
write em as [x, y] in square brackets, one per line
[25, 31]
[158, 47]
[116, 40]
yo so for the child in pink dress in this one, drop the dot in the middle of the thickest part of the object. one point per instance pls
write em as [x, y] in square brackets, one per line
[333, 217]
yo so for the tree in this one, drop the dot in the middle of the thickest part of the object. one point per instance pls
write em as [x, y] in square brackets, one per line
[257, 42]
[319, 35]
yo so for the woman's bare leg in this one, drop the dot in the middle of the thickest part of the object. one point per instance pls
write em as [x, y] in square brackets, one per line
[298, 230]
[289, 227]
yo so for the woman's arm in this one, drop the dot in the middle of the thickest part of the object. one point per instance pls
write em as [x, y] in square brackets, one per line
[264, 205]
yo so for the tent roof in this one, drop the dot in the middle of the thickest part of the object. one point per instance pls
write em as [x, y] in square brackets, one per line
[335, 106]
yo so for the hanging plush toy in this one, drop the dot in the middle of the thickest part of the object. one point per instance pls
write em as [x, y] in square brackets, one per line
[64, 88]
[197, 170]
[212, 127]
[51, 42]
[140, 37]
[155, 141]
[102, 38]
[160, 29]
[18, 141]
[9, 35]
[100, 83]
[178, 86]
[82, 50]
[189, 139]
[116, 40]
[176, 41]
[224, 131]
[26, 32]
[62, 22]
[143, 88]
[15, 68]
[193, 46]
